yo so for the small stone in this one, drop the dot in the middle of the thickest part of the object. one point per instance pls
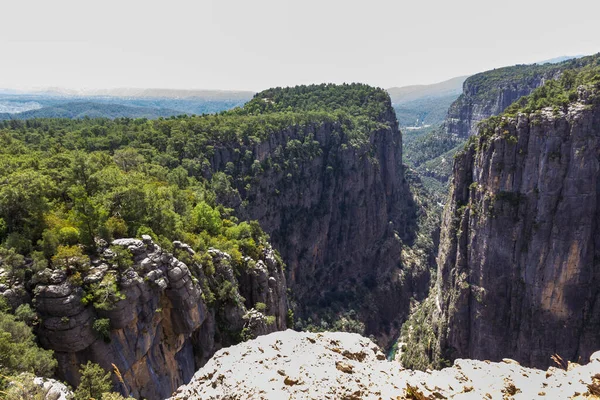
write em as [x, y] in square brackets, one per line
[147, 239]
[162, 283]
[291, 381]
[572, 365]
[344, 367]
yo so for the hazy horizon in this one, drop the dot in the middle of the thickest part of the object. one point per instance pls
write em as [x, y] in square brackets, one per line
[243, 46]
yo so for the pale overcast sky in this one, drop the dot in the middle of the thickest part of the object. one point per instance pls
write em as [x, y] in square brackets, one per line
[256, 44]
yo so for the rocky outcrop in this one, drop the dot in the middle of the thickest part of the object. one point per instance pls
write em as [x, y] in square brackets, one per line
[489, 93]
[339, 212]
[518, 267]
[293, 365]
[470, 109]
[162, 326]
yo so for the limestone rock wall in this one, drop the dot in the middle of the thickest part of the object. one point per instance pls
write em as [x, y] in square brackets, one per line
[163, 330]
[470, 109]
[339, 215]
[518, 267]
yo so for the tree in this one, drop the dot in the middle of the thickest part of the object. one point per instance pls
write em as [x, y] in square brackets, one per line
[70, 258]
[86, 214]
[12, 262]
[19, 352]
[94, 382]
[123, 258]
[105, 293]
[205, 218]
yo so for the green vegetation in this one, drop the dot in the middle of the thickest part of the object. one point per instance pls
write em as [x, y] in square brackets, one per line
[102, 326]
[560, 93]
[66, 183]
[92, 110]
[489, 83]
[355, 99]
[151, 106]
[67, 186]
[23, 387]
[93, 383]
[430, 152]
[556, 94]
[19, 352]
[426, 146]
[425, 111]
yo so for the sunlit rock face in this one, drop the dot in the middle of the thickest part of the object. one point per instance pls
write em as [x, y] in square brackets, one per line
[519, 260]
[334, 365]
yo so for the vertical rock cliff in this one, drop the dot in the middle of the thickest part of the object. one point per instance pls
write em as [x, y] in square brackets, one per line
[163, 327]
[339, 211]
[518, 267]
[489, 93]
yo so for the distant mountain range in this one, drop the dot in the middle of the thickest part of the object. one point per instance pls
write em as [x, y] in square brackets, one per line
[210, 95]
[557, 60]
[92, 110]
[406, 94]
[26, 106]
[424, 105]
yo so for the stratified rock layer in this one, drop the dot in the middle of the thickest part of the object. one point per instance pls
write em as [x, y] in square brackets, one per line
[294, 365]
[519, 261]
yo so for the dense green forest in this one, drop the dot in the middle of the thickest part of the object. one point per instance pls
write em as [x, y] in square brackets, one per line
[430, 152]
[92, 110]
[557, 95]
[489, 83]
[66, 182]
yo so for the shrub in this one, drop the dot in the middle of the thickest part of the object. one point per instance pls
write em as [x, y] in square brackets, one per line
[68, 235]
[117, 228]
[19, 352]
[70, 258]
[205, 218]
[23, 387]
[104, 294]
[25, 313]
[102, 327]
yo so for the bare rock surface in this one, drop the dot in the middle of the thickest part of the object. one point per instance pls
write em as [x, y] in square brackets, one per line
[54, 390]
[334, 365]
[518, 264]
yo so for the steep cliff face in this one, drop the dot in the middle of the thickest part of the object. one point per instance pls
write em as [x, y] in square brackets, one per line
[163, 327]
[339, 211]
[490, 93]
[469, 110]
[518, 268]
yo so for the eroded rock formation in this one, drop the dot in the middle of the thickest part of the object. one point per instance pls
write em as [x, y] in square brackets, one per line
[164, 328]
